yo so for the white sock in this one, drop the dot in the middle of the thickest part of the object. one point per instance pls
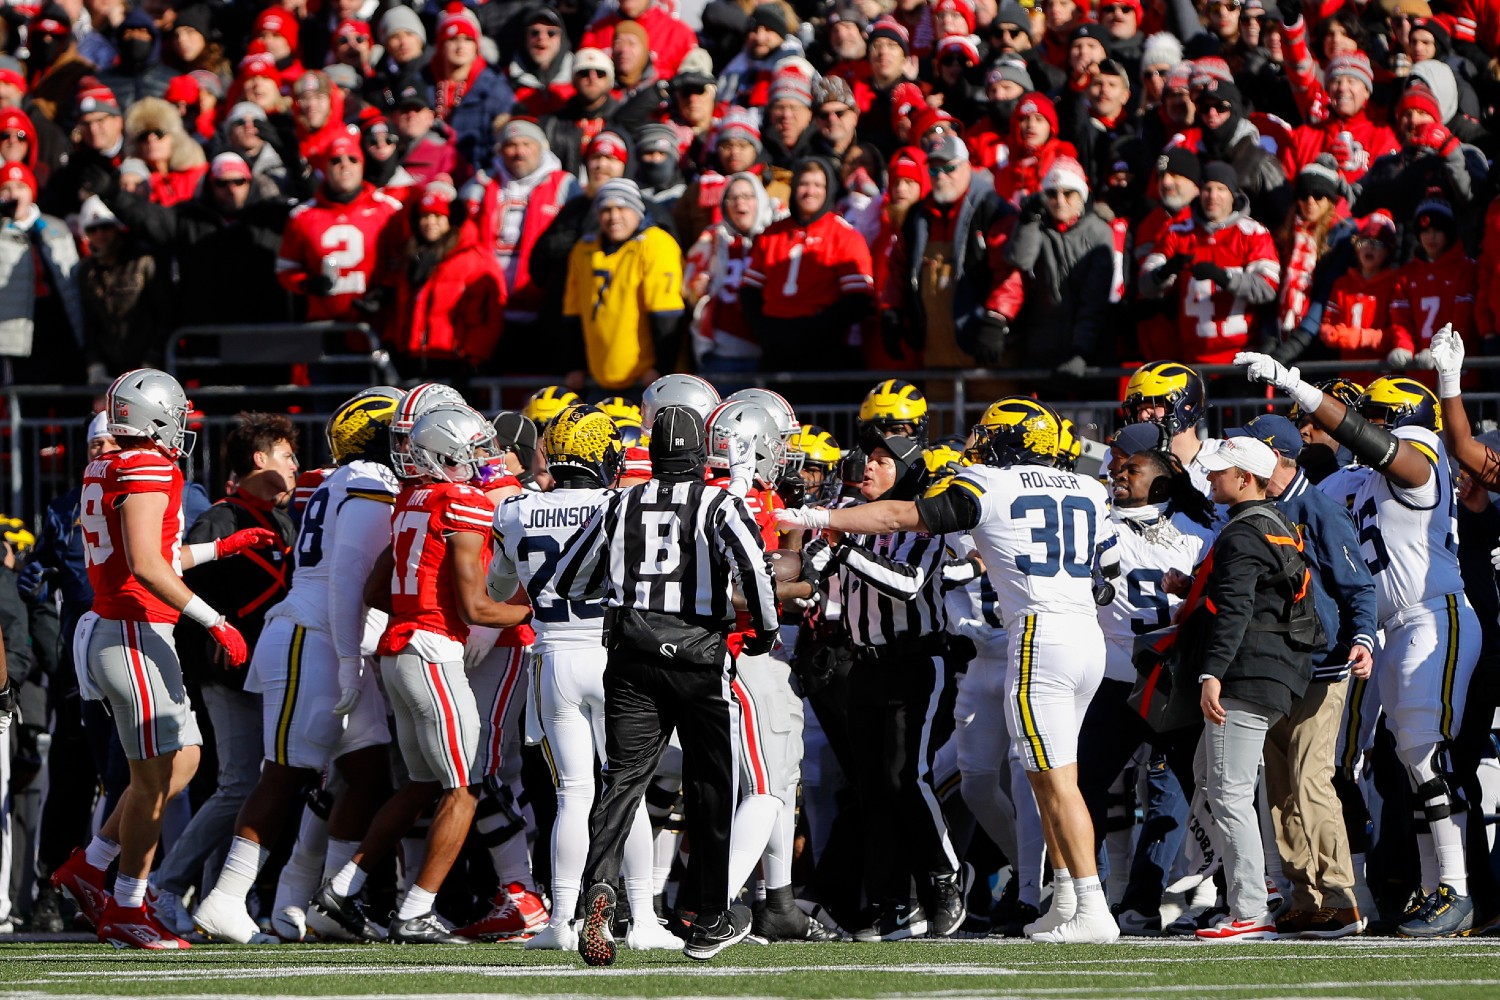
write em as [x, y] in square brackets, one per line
[1064, 897]
[1089, 894]
[340, 853]
[664, 850]
[130, 892]
[417, 902]
[349, 880]
[101, 852]
[240, 868]
[753, 820]
[413, 855]
[1448, 838]
[1428, 857]
[512, 861]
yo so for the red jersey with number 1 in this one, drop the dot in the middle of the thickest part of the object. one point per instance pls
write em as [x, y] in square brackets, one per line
[107, 483]
[803, 270]
[422, 594]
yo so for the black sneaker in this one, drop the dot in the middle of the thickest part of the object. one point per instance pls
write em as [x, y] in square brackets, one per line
[347, 913]
[1020, 915]
[426, 929]
[780, 924]
[949, 892]
[902, 921]
[707, 940]
[46, 913]
[596, 942]
[870, 922]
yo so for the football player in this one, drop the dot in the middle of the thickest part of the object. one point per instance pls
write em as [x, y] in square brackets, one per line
[895, 407]
[436, 588]
[1171, 395]
[546, 403]
[1408, 530]
[583, 454]
[131, 517]
[319, 705]
[1039, 532]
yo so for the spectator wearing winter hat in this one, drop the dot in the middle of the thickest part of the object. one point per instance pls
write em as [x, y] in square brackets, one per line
[259, 81]
[638, 85]
[99, 148]
[787, 132]
[187, 97]
[1219, 268]
[51, 143]
[54, 69]
[951, 296]
[1065, 250]
[1224, 134]
[1127, 42]
[1356, 322]
[38, 287]
[625, 333]
[1060, 19]
[735, 147]
[126, 307]
[157, 136]
[450, 292]
[1087, 48]
[668, 39]
[136, 71]
[836, 125]
[1312, 229]
[907, 184]
[1348, 133]
[190, 44]
[467, 94]
[353, 45]
[1179, 180]
[953, 87]
[842, 49]
[541, 71]
[318, 110]
[658, 170]
[1458, 106]
[403, 39]
[19, 144]
[591, 108]
[279, 31]
[1005, 83]
[1034, 145]
[513, 203]
[332, 284]
[383, 167]
[1433, 289]
[1172, 112]
[769, 41]
[246, 131]
[1095, 119]
[1431, 158]
[1159, 54]
[722, 340]
[889, 51]
[426, 149]
[694, 93]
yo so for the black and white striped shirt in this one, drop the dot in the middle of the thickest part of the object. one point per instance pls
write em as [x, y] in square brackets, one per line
[672, 548]
[892, 586]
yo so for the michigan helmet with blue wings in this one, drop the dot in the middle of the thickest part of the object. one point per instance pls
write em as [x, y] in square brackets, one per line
[892, 406]
[584, 438]
[620, 409]
[360, 428]
[1069, 447]
[1171, 385]
[547, 402]
[1397, 401]
[944, 458]
[1016, 430]
[820, 454]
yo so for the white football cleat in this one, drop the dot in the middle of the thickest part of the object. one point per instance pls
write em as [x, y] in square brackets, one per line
[554, 937]
[290, 923]
[1086, 927]
[649, 935]
[225, 919]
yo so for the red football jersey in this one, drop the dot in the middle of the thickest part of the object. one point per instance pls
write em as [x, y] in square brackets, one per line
[422, 595]
[118, 595]
[1214, 323]
[804, 270]
[343, 241]
[1430, 293]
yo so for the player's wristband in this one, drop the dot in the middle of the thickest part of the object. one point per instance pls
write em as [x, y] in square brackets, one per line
[1206, 677]
[201, 611]
[1449, 384]
[203, 552]
[1307, 396]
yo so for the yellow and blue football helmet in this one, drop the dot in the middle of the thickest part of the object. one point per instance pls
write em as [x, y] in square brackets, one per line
[1016, 430]
[1171, 385]
[1396, 401]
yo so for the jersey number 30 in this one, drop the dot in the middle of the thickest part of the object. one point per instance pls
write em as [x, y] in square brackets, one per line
[1065, 535]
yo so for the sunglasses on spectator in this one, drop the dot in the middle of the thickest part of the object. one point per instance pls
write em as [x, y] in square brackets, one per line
[831, 114]
[150, 133]
[334, 160]
[955, 61]
[17, 135]
[1117, 8]
[1155, 74]
[1226, 4]
[1056, 194]
[1010, 32]
[381, 140]
[1368, 243]
[692, 91]
[942, 168]
[352, 39]
[592, 72]
[1222, 107]
[544, 32]
[230, 182]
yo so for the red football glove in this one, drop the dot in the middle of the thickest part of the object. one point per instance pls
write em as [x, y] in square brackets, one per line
[248, 538]
[1435, 137]
[228, 637]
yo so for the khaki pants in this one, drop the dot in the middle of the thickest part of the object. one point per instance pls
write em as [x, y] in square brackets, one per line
[1306, 812]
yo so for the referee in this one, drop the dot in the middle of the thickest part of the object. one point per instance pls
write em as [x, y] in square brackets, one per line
[664, 556]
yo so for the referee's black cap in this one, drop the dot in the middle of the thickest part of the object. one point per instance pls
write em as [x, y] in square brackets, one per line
[679, 442]
[911, 475]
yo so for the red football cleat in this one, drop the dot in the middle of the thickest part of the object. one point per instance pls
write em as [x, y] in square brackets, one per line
[517, 911]
[136, 927]
[84, 883]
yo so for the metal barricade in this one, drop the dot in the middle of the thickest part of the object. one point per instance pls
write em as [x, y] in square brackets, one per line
[279, 344]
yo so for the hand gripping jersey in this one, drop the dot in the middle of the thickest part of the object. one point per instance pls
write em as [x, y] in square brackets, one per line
[1409, 537]
[1148, 548]
[422, 596]
[804, 270]
[530, 531]
[118, 595]
[1037, 533]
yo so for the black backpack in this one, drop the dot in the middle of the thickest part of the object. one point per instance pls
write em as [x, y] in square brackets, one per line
[1302, 627]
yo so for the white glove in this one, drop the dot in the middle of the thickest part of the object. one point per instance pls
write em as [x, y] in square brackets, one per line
[1495, 558]
[741, 467]
[351, 669]
[5, 718]
[10, 706]
[1447, 352]
[1399, 357]
[807, 518]
[1264, 368]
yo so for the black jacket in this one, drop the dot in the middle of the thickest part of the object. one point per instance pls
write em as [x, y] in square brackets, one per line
[1218, 639]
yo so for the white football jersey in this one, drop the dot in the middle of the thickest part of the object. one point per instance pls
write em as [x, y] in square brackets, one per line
[1409, 537]
[973, 609]
[531, 531]
[1038, 532]
[1148, 548]
[1344, 484]
[325, 515]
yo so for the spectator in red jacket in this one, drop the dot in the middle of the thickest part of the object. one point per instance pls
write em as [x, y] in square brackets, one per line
[1033, 147]
[277, 29]
[155, 133]
[1357, 321]
[670, 38]
[450, 292]
[1346, 131]
[1434, 288]
[318, 109]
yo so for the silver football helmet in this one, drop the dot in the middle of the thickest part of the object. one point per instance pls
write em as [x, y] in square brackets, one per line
[678, 390]
[417, 402]
[150, 404]
[450, 442]
[757, 432]
[775, 404]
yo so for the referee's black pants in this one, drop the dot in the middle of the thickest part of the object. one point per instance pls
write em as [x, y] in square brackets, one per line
[645, 699]
[895, 693]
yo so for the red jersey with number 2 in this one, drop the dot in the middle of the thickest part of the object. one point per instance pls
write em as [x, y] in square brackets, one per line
[107, 483]
[422, 594]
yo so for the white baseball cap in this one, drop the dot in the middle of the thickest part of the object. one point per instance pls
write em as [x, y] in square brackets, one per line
[1254, 457]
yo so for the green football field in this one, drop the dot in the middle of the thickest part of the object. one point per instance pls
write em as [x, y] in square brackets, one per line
[1374, 968]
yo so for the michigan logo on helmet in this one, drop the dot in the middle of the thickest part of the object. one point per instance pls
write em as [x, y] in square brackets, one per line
[1395, 401]
[1069, 447]
[360, 428]
[1017, 430]
[633, 434]
[818, 456]
[584, 438]
[547, 402]
[1167, 393]
[1341, 389]
[894, 407]
[620, 410]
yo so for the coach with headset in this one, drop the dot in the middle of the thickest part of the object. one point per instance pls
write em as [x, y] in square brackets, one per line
[664, 556]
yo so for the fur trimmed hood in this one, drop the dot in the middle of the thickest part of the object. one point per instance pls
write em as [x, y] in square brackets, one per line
[155, 113]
